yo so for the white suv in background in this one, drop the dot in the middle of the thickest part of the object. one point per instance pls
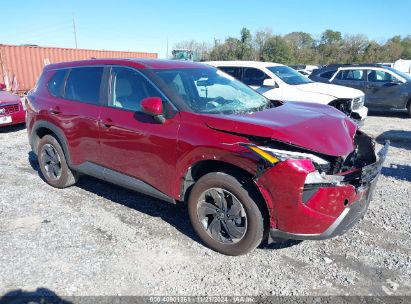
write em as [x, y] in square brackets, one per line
[279, 82]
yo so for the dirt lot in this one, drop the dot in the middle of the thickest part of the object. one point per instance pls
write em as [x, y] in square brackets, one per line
[99, 239]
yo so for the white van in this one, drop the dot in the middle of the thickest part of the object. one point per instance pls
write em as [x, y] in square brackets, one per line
[279, 82]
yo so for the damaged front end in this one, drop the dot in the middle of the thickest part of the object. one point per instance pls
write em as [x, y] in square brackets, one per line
[353, 108]
[316, 196]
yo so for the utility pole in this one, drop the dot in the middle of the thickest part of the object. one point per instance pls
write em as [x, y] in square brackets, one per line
[74, 31]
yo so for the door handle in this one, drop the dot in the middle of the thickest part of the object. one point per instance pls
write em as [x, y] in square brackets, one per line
[55, 110]
[106, 123]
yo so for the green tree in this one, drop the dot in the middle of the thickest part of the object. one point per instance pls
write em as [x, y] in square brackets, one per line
[330, 46]
[393, 49]
[302, 47]
[353, 48]
[300, 40]
[260, 38]
[331, 37]
[276, 49]
[406, 44]
[373, 53]
[246, 47]
[229, 50]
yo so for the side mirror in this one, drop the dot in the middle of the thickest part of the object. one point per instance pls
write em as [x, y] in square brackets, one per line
[270, 83]
[2, 86]
[153, 106]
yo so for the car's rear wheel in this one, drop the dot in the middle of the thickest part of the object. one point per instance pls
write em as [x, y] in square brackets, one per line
[53, 164]
[225, 215]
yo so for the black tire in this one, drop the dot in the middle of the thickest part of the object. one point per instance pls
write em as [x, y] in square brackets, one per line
[252, 224]
[409, 108]
[48, 161]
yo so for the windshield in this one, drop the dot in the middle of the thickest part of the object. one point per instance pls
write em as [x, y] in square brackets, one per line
[402, 74]
[208, 90]
[289, 75]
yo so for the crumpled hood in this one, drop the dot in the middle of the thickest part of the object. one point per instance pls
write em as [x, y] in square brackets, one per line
[332, 90]
[8, 98]
[319, 128]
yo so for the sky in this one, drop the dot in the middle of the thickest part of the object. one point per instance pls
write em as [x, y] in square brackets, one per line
[147, 25]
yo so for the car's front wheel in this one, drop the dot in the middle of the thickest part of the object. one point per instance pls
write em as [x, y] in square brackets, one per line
[53, 164]
[225, 214]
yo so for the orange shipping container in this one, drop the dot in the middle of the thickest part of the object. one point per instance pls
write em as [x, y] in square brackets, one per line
[20, 66]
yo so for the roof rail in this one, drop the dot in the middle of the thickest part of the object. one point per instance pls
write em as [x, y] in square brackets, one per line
[337, 65]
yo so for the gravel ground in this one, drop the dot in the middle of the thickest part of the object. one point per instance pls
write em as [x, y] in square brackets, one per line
[99, 239]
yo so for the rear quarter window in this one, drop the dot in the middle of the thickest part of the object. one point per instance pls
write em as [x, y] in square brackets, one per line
[56, 83]
[83, 84]
[327, 75]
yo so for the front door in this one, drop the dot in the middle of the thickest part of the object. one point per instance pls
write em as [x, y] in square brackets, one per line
[383, 90]
[132, 142]
[254, 78]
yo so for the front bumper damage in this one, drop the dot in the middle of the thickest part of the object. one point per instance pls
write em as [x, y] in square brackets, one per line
[317, 213]
[360, 115]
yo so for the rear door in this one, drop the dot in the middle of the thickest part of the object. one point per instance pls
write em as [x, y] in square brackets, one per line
[236, 72]
[132, 142]
[383, 90]
[74, 107]
[354, 78]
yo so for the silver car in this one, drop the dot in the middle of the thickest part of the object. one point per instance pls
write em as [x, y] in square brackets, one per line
[384, 87]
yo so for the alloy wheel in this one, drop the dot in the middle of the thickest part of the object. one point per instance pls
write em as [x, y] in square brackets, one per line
[51, 162]
[222, 215]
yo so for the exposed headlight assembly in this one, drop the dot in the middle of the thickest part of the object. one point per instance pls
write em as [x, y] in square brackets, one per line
[274, 156]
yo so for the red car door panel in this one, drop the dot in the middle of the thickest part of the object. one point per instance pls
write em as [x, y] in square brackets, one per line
[134, 146]
[132, 142]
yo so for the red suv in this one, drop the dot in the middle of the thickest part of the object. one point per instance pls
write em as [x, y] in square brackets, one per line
[248, 168]
[12, 110]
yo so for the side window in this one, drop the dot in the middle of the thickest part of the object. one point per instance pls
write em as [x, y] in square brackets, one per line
[129, 88]
[379, 76]
[56, 83]
[328, 74]
[351, 75]
[83, 84]
[232, 71]
[254, 77]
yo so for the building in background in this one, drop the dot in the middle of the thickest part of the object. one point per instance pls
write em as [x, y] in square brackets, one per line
[20, 66]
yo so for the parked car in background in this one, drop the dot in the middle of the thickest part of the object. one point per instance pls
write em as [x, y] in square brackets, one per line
[12, 110]
[247, 167]
[279, 82]
[304, 67]
[386, 64]
[403, 66]
[304, 72]
[384, 87]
